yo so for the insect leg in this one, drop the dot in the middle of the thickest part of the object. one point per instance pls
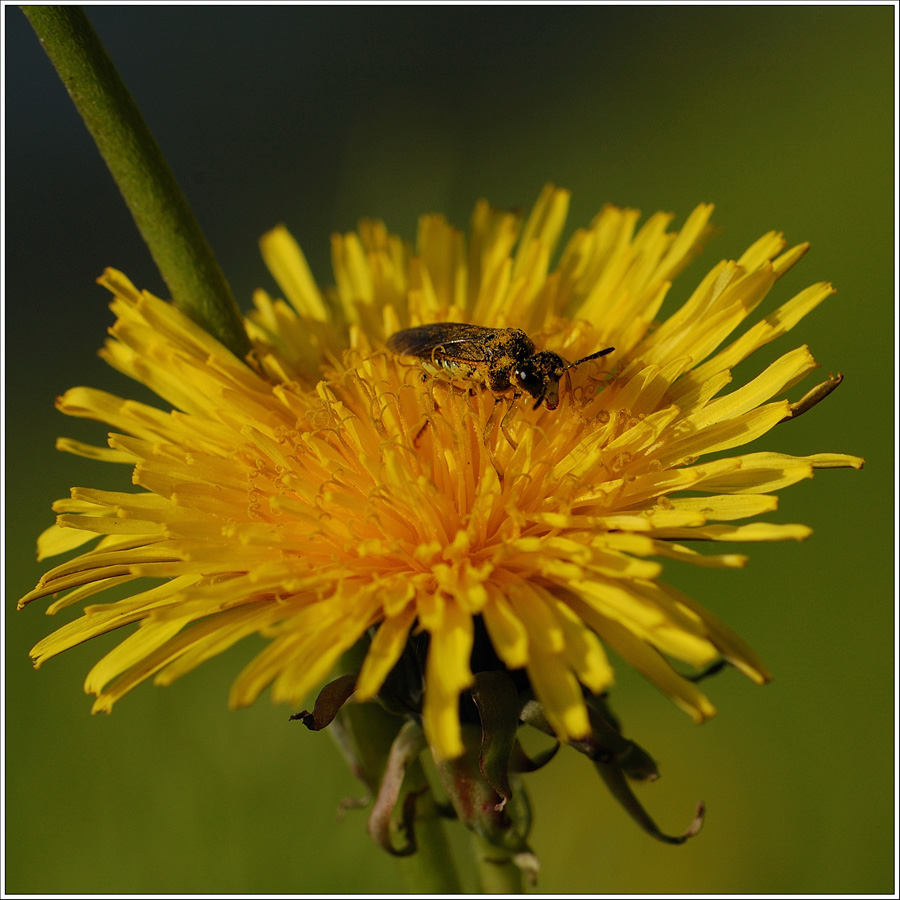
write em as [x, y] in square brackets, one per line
[488, 426]
[420, 432]
[487, 433]
[505, 422]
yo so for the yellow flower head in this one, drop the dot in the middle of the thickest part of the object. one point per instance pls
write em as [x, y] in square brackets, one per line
[329, 490]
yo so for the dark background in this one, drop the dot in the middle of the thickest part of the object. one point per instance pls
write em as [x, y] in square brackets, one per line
[316, 116]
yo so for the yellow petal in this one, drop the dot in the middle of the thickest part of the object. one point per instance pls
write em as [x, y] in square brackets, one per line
[558, 691]
[728, 506]
[286, 262]
[447, 673]
[385, 650]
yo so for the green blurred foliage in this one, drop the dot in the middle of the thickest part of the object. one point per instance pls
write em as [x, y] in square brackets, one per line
[317, 116]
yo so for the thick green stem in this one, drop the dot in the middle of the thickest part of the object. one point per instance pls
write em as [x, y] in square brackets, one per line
[431, 869]
[160, 209]
[365, 733]
[496, 870]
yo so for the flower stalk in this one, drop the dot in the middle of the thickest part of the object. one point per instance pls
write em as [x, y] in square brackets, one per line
[160, 209]
[497, 870]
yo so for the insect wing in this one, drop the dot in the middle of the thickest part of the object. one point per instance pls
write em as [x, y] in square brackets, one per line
[451, 340]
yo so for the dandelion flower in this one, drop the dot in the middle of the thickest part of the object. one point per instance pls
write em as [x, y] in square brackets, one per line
[327, 491]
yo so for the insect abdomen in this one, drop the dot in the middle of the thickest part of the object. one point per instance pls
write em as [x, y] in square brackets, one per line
[452, 369]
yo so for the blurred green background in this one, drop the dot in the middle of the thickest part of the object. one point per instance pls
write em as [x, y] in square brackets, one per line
[316, 116]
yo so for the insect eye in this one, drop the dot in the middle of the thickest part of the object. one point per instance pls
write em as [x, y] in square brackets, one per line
[529, 380]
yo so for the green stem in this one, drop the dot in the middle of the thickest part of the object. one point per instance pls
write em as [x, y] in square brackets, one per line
[160, 209]
[431, 869]
[496, 870]
[365, 733]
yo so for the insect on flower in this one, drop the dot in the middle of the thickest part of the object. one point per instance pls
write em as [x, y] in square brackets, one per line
[503, 360]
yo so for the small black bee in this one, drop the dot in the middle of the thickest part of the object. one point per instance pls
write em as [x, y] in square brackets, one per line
[503, 360]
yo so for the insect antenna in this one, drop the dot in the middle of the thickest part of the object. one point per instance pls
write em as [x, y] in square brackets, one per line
[591, 356]
[578, 362]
